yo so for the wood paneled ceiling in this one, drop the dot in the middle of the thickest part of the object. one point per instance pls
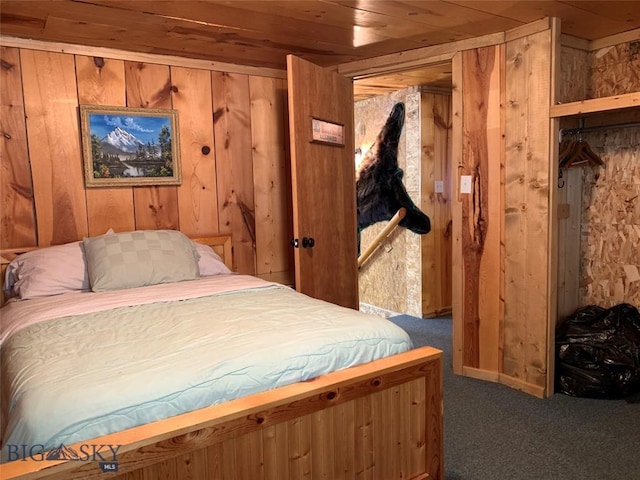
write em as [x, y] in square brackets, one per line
[329, 33]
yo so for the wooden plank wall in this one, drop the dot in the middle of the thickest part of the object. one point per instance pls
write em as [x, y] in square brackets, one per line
[50, 100]
[435, 111]
[501, 244]
[482, 84]
[233, 149]
[525, 347]
[15, 172]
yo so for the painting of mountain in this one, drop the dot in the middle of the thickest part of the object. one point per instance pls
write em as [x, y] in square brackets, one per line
[127, 146]
[122, 140]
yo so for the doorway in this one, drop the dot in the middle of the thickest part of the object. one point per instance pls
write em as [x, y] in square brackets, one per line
[410, 273]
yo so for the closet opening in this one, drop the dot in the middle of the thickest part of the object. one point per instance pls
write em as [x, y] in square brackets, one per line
[598, 214]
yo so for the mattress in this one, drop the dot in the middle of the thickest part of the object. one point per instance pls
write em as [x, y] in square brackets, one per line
[80, 365]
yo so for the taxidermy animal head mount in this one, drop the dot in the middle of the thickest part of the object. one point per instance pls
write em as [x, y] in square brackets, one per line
[379, 187]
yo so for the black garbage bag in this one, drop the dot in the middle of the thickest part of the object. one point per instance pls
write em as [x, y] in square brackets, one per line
[598, 352]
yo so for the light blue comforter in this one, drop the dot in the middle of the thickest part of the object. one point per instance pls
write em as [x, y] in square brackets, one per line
[77, 377]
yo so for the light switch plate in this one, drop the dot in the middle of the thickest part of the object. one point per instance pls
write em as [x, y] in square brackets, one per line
[439, 186]
[465, 184]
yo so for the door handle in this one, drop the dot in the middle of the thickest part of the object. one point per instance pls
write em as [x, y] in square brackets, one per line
[308, 242]
[295, 243]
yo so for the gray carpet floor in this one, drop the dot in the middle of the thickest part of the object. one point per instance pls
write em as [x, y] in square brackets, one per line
[492, 432]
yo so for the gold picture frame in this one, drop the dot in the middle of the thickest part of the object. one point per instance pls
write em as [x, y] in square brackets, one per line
[125, 147]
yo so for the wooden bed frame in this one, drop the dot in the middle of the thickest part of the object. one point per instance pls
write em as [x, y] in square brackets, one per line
[380, 421]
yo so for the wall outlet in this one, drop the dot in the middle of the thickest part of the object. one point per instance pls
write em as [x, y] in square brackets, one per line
[439, 186]
[465, 184]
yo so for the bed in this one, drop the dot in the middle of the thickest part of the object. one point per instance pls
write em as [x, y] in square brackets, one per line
[184, 371]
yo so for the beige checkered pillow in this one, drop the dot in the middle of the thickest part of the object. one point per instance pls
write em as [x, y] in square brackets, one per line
[140, 258]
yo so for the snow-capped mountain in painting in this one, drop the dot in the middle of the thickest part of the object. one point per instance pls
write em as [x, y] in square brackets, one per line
[122, 140]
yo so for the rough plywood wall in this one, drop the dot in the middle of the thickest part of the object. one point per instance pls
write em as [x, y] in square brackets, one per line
[609, 71]
[391, 278]
[614, 70]
[609, 236]
[574, 83]
[610, 243]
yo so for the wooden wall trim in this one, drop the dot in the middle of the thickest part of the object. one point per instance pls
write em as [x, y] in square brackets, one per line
[552, 285]
[503, 229]
[418, 57]
[575, 42]
[630, 36]
[590, 46]
[399, 65]
[529, 29]
[523, 386]
[437, 54]
[596, 105]
[511, 382]
[457, 276]
[116, 54]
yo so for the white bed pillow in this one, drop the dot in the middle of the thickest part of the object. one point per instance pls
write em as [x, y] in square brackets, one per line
[40, 274]
[210, 262]
[47, 271]
[139, 258]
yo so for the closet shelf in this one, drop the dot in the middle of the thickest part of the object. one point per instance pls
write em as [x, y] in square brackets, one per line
[595, 105]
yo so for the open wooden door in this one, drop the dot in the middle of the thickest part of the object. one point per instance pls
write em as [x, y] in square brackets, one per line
[323, 182]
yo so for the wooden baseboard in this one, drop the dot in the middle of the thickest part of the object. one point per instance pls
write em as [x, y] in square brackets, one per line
[497, 377]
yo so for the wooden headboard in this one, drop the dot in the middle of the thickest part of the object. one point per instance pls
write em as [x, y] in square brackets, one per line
[221, 244]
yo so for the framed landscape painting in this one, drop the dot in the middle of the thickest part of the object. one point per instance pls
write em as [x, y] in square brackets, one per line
[130, 146]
